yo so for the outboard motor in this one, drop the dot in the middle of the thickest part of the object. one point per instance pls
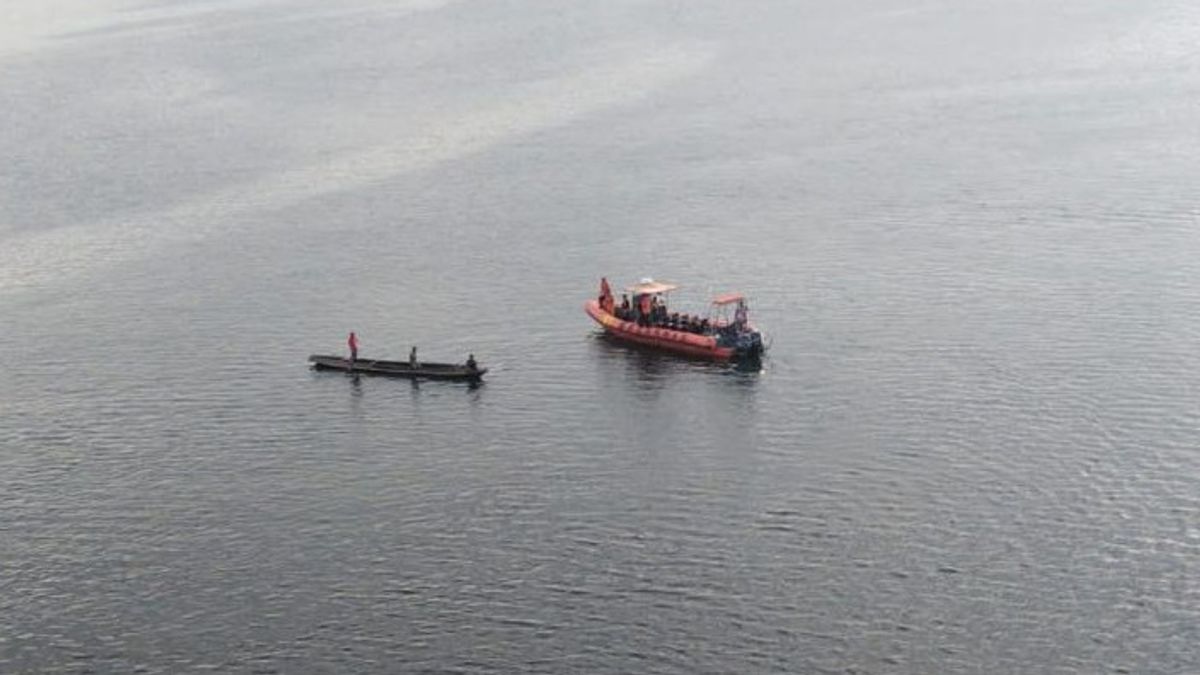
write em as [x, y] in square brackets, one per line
[749, 344]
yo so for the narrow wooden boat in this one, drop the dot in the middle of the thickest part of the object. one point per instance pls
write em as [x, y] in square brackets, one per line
[717, 338]
[423, 370]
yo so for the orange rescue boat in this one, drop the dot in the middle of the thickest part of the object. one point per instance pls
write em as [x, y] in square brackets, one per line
[647, 321]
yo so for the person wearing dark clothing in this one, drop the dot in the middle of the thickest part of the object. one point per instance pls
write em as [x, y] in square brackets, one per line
[412, 357]
[471, 365]
[644, 310]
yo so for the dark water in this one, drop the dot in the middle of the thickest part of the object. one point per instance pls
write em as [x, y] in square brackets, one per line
[971, 230]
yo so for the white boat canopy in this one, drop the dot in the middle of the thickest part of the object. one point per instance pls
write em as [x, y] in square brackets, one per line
[651, 287]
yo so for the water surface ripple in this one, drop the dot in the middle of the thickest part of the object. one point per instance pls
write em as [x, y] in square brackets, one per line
[970, 232]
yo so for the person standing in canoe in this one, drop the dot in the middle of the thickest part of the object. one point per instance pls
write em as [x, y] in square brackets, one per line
[412, 357]
[352, 342]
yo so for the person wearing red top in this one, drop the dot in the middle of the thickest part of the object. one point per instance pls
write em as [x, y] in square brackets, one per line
[606, 297]
[353, 343]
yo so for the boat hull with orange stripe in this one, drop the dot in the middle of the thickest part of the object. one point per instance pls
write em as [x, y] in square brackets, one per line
[680, 342]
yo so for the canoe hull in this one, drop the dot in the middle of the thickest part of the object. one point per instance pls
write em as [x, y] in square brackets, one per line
[426, 371]
[679, 342]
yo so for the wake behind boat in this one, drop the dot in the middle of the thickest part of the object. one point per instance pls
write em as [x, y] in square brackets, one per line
[468, 372]
[725, 334]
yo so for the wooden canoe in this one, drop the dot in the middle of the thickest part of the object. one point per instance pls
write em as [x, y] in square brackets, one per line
[423, 370]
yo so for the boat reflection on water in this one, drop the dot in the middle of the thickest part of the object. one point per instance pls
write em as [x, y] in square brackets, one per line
[686, 394]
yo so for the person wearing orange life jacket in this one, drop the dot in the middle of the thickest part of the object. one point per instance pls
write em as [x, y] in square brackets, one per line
[606, 297]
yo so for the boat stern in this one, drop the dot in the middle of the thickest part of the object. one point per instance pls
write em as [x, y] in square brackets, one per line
[749, 345]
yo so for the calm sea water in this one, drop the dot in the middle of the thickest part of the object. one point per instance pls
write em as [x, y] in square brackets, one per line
[971, 230]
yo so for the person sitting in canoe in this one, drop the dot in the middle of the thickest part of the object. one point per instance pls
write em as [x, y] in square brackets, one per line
[471, 365]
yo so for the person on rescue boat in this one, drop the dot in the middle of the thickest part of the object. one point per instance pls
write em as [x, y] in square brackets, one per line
[740, 315]
[605, 300]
